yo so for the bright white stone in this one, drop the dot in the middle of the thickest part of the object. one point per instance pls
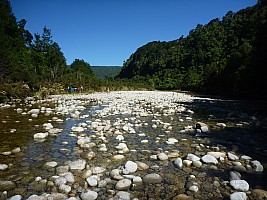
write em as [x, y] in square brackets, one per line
[40, 135]
[238, 196]
[178, 162]
[192, 157]
[130, 167]
[240, 185]
[3, 167]
[209, 159]
[217, 154]
[89, 195]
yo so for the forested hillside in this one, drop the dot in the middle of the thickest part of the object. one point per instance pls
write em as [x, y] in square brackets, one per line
[34, 64]
[33, 59]
[106, 71]
[225, 56]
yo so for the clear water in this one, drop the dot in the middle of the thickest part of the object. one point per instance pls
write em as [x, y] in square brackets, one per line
[248, 139]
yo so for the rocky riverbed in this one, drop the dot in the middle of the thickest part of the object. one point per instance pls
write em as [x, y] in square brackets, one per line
[130, 145]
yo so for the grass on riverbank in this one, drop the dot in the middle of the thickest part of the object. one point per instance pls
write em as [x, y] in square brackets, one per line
[20, 90]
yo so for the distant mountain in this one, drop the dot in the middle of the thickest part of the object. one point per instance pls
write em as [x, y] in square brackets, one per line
[106, 71]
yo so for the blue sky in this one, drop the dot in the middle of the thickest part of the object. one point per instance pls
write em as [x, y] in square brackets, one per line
[107, 32]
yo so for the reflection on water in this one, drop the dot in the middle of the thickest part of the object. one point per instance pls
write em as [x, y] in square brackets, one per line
[246, 131]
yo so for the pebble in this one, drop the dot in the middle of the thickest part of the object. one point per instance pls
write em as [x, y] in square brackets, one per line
[118, 157]
[188, 163]
[102, 183]
[171, 141]
[197, 163]
[162, 156]
[92, 181]
[257, 166]
[123, 184]
[141, 166]
[209, 159]
[77, 164]
[234, 176]
[122, 195]
[40, 135]
[51, 164]
[130, 167]
[60, 181]
[65, 188]
[16, 197]
[3, 167]
[217, 154]
[192, 157]
[232, 156]
[178, 162]
[137, 180]
[69, 177]
[194, 188]
[238, 196]
[240, 185]
[16, 150]
[62, 170]
[152, 178]
[89, 195]
[244, 157]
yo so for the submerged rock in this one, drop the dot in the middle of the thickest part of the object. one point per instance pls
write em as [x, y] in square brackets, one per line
[7, 185]
[77, 164]
[152, 178]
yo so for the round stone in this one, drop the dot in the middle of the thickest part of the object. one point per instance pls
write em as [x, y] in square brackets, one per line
[162, 156]
[92, 181]
[238, 196]
[178, 162]
[3, 167]
[123, 184]
[209, 159]
[193, 188]
[192, 157]
[130, 167]
[89, 195]
[152, 178]
[240, 185]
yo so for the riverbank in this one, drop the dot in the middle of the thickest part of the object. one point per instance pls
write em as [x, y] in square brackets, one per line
[129, 145]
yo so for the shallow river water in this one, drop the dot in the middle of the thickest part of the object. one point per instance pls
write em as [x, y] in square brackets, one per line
[245, 134]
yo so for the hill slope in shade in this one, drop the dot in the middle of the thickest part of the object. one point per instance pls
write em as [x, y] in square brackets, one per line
[106, 71]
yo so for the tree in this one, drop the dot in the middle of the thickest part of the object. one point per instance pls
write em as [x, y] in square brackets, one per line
[81, 69]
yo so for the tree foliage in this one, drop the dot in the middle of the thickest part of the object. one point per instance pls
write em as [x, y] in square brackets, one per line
[223, 57]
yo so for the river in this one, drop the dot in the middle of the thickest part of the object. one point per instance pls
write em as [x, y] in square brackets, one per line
[144, 121]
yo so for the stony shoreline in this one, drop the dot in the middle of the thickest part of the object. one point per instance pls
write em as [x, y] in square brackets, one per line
[134, 145]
